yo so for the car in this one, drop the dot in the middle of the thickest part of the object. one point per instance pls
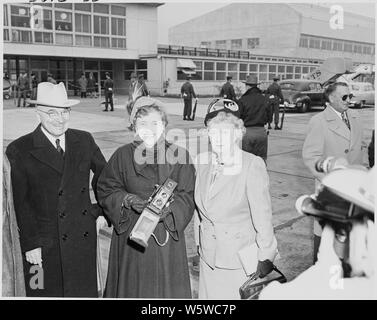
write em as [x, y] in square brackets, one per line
[301, 94]
[363, 94]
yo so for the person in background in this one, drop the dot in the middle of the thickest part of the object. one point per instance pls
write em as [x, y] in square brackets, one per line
[13, 282]
[227, 90]
[187, 93]
[109, 86]
[275, 96]
[34, 86]
[371, 151]
[23, 88]
[142, 86]
[51, 79]
[129, 179]
[51, 169]
[254, 113]
[335, 132]
[91, 89]
[224, 228]
[83, 83]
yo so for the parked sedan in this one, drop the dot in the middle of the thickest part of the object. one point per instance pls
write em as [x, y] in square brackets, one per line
[301, 94]
[363, 94]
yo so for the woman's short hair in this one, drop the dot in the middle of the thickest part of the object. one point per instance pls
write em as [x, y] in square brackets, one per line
[331, 88]
[227, 117]
[145, 110]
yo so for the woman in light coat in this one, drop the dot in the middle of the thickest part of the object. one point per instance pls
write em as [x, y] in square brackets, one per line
[234, 210]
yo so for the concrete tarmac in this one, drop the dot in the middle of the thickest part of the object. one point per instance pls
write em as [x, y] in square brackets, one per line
[289, 178]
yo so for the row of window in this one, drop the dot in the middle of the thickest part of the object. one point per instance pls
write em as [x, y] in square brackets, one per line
[233, 44]
[313, 42]
[20, 17]
[218, 71]
[63, 39]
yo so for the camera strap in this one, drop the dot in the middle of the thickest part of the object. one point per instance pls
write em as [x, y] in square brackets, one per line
[158, 242]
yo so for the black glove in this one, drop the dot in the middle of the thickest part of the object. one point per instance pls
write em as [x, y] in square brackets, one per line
[164, 212]
[264, 268]
[135, 202]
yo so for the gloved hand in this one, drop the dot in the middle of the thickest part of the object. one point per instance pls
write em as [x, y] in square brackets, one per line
[164, 212]
[264, 268]
[135, 202]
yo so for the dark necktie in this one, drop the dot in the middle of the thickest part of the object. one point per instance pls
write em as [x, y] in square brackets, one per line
[58, 147]
[345, 120]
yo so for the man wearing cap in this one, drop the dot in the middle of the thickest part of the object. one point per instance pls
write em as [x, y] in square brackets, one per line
[187, 93]
[275, 96]
[23, 88]
[57, 221]
[227, 90]
[108, 85]
[253, 112]
[143, 87]
[335, 132]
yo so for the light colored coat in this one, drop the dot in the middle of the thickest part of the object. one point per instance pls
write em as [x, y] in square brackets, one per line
[328, 136]
[234, 212]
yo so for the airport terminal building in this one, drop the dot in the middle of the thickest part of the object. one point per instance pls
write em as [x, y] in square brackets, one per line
[288, 40]
[72, 39]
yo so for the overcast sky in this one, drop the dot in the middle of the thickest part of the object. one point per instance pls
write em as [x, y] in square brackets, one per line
[172, 13]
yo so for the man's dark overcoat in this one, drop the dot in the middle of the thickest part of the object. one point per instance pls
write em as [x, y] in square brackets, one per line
[54, 210]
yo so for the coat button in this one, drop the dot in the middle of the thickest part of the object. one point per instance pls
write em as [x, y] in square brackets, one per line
[83, 189]
[64, 237]
[85, 212]
[62, 215]
[86, 234]
[346, 151]
[60, 193]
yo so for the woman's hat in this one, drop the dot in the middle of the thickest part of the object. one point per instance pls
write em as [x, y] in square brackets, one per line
[217, 105]
[133, 75]
[53, 95]
[143, 101]
[251, 80]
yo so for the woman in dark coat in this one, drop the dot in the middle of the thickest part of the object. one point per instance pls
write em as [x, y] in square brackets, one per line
[160, 270]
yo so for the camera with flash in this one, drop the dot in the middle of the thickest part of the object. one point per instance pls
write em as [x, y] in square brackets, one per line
[151, 214]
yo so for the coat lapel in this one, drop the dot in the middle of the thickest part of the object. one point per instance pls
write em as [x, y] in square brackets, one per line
[336, 125]
[45, 152]
[354, 127]
[73, 155]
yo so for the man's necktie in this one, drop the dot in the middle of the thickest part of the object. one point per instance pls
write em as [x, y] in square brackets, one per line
[345, 120]
[59, 148]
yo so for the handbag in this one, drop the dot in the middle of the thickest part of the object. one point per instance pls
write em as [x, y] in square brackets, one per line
[251, 289]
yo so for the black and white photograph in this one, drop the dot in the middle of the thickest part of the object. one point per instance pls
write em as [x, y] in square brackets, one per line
[212, 151]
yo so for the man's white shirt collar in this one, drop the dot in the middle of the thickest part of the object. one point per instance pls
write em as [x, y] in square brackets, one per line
[52, 139]
[337, 112]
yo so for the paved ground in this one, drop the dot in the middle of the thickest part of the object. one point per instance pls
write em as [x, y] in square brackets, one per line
[288, 177]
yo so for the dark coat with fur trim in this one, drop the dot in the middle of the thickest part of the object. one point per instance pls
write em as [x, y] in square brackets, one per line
[154, 272]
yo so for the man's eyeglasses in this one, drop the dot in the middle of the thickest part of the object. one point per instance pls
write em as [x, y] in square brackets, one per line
[350, 96]
[57, 115]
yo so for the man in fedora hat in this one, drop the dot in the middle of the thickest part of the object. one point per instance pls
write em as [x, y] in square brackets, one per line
[187, 93]
[275, 97]
[227, 90]
[57, 221]
[109, 86]
[253, 112]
